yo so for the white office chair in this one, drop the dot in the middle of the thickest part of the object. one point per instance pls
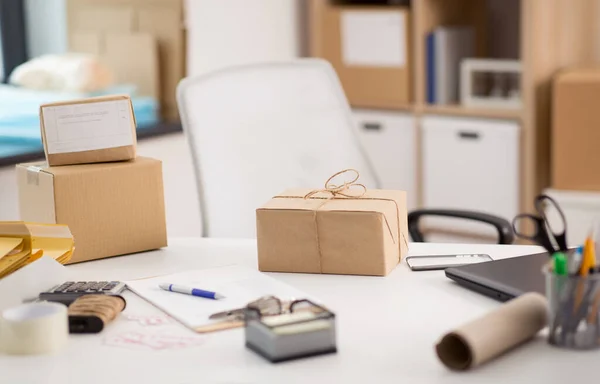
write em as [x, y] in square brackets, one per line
[257, 130]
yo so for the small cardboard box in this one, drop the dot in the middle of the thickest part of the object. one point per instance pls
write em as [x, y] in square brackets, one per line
[111, 208]
[370, 49]
[95, 130]
[575, 130]
[366, 235]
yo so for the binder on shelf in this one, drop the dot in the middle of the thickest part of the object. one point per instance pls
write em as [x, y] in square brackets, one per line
[446, 47]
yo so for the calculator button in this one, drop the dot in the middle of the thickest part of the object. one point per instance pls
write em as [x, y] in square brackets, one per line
[64, 286]
[108, 287]
[85, 287]
[99, 285]
[75, 287]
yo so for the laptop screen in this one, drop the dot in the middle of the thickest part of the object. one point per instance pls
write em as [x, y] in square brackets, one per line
[511, 277]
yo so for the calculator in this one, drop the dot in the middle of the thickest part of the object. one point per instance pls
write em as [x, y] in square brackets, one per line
[67, 292]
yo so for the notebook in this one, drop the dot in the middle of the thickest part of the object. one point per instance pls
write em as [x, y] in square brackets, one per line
[240, 285]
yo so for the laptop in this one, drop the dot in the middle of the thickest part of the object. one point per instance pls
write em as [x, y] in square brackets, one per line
[503, 279]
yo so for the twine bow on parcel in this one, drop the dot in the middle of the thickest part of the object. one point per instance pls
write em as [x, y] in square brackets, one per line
[340, 190]
[344, 191]
[337, 191]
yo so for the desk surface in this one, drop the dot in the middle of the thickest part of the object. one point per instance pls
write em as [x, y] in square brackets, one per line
[387, 328]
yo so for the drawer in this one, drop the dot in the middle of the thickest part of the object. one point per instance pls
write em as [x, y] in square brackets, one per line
[471, 164]
[389, 141]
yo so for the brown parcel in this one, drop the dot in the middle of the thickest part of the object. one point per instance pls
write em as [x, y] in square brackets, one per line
[321, 234]
[89, 141]
[111, 208]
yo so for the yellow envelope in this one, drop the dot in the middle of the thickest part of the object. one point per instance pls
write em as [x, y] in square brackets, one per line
[9, 264]
[10, 246]
[55, 240]
[22, 243]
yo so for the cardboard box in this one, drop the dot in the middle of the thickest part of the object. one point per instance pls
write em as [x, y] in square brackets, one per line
[94, 130]
[576, 130]
[324, 234]
[156, 45]
[369, 46]
[111, 208]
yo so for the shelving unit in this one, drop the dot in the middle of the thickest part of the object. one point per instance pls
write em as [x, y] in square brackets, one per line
[459, 110]
[545, 36]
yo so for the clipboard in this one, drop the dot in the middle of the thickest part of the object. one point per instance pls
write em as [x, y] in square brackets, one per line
[240, 285]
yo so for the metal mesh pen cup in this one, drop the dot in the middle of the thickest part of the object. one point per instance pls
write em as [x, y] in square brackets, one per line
[573, 310]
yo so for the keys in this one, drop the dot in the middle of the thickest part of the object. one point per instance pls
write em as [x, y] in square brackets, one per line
[64, 286]
[75, 287]
[267, 305]
[110, 285]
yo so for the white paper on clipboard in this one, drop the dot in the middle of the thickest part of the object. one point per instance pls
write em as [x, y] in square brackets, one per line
[240, 285]
[373, 38]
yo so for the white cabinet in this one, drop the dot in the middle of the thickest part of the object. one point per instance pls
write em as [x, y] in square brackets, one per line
[582, 212]
[389, 141]
[471, 164]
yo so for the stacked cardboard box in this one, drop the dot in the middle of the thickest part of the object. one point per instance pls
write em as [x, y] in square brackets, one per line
[143, 41]
[111, 200]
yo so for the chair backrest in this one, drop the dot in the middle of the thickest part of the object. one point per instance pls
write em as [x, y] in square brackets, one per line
[257, 130]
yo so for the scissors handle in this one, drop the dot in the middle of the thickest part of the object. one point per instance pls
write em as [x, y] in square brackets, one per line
[542, 202]
[540, 233]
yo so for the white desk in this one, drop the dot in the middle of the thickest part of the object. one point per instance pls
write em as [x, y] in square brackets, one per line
[387, 328]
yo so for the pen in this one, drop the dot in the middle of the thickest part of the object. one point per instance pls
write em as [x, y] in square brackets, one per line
[576, 260]
[589, 257]
[560, 263]
[191, 291]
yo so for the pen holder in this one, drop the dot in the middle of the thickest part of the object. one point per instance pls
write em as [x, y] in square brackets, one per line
[574, 306]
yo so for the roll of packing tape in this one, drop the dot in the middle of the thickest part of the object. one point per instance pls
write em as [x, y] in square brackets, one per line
[34, 328]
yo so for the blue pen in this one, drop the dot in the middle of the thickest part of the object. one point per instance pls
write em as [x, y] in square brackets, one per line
[191, 291]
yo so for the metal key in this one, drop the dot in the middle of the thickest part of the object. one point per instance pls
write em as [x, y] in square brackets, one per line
[267, 305]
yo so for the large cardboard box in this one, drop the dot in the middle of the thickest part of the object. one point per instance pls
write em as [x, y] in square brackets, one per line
[366, 235]
[111, 208]
[576, 130]
[369, 47]
[94, 130]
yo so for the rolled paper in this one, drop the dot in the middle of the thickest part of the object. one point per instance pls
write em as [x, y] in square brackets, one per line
[497, 332]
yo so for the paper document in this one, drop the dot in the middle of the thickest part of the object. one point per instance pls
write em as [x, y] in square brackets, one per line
[240, 285]
[88, 126]
[28, 282]
[373, 39]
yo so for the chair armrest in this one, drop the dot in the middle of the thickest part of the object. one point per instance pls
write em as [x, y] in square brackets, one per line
[505, 233]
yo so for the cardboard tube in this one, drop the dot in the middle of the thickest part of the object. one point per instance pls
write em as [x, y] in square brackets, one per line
[34, 328]
[493, 334]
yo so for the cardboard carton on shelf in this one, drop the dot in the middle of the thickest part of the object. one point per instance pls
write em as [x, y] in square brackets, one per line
[575, 153]
[369, 47]
[111, 208]
[150, 33]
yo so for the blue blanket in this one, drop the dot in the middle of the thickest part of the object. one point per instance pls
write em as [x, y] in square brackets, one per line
[20, 123]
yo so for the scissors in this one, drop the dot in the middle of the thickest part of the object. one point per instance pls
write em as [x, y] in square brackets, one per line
[552, 238]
